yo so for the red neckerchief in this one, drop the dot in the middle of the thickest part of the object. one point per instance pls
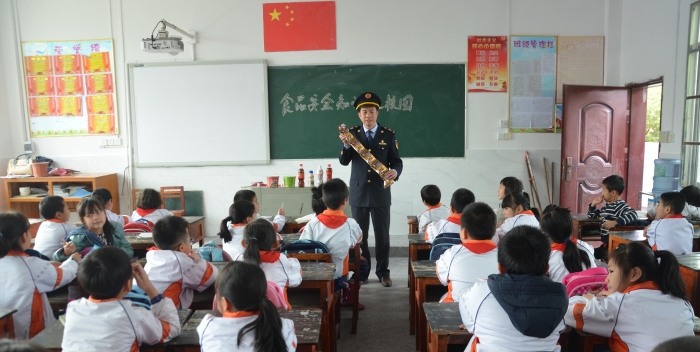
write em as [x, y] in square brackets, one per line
[144, 212]
[434, 206]
[562, 246]
[455, 219]
[269, 256]
[239, 314]
[646, 285]
[527, 212]
[332, 218]
[154, 248]
[16, 253]
[479, 246]
[677, 216]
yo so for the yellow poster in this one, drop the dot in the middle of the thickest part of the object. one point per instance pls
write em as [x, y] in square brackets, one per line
[37, 65]
[98, 62]
[70, 106]
[101, 124]
[67, 64]
[100, 104]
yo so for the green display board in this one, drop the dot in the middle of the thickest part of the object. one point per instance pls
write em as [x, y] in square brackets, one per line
[423, 103]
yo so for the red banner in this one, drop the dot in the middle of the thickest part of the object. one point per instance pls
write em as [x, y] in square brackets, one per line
[487, 61]
[296, 26]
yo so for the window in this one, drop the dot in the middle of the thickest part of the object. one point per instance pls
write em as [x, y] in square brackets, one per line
[691, 126]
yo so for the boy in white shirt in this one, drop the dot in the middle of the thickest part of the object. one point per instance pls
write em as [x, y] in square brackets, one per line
[430, 194]
[671, 231]
[56, 226]
[476, 258]
[460, 199]
[106, 197]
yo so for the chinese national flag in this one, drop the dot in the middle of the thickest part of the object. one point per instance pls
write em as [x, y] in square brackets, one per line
[295, 26]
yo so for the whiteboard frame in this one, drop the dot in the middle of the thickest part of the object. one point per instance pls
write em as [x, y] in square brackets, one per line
[132, 114]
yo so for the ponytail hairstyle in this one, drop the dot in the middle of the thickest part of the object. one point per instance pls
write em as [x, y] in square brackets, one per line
[244, 286]
[237, 213]
[258, 235]
[659, 266]
[13, 226]
[317, 203]
[558, 225]
[94, 205]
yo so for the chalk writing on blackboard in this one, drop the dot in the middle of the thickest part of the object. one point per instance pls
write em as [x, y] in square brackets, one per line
[327, 103]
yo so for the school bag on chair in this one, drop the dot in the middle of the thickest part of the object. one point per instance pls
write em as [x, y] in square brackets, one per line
[137, 227]
[443, 242]
[304, 247]
[586, 281]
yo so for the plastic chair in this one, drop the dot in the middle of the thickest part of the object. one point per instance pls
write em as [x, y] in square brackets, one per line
[174, 192]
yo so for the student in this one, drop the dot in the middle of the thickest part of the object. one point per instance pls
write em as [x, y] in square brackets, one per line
[174, 269]
[107, 322]
[148, 207]
[95, 230]
[240, 214]
[520, 309]
[671, 231]
[430, 194]
[249, 321]
[279, 220]
[460, 199]
[569, 255]
[692, 204]
[25, 280]
[645, 304]
[261, 248]
[317, 204]
[106, 197]
[614, 213]
[56, 227]
[517, 212]
[460, 266]
[507, 186]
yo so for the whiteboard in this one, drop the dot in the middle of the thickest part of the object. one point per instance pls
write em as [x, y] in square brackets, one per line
[199, 113]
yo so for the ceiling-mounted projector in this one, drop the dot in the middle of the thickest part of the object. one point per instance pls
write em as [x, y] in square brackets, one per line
[164, 43]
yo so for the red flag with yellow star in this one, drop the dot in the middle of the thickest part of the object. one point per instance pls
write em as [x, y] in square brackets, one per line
[295, 26]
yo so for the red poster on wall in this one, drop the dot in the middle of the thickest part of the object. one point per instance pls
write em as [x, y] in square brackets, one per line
[487, 64]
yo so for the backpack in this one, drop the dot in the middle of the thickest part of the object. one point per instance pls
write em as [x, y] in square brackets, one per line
[274, 294]
[137, 227]
[212, 253]
[304, 246]
[443, 242]
[586, 281]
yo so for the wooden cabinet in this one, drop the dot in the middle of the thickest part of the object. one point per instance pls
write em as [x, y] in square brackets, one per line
[29, 205]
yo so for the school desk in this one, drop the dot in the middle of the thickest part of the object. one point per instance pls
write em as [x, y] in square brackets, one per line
[617, 238]
[418, 248]
[582, 221]
[52, 337]
[195, 227]
[290, 237]
[307, 326]
[412, 225]
[690, 271]
[7, 325]
[424, 275]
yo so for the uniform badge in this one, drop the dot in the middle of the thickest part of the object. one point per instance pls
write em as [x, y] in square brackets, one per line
[397, 145]
[368, 95]
[382, 143]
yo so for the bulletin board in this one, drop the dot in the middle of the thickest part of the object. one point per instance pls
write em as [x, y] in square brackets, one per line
[70, 88]
[533, 83]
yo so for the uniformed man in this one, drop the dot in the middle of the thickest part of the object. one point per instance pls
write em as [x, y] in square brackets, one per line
[368, 197]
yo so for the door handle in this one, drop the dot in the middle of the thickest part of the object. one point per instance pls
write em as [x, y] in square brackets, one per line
[566, 165]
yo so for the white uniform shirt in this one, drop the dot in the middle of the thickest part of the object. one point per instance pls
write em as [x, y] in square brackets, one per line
[25, 281]
[338, 232]
[524, 218]
[486, 319]
[221, 334]
[176, 275]
[285, 272]
[48, 237]
[277, 222]
[636, 320]
[557, 269]
[452, 224]
[151, 217]
[121, 219]
[461, 265]
[431, 215]
[689, 211]
[671, 234]
[116, 325]
[234, 247]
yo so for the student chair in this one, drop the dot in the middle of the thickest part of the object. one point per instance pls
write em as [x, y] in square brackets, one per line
[174, 192]
[134, 197]
[307, 251]
[353, 266]
[443, 242]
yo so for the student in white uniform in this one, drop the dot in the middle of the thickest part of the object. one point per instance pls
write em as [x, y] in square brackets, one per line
[520, 309]
[57, 225]
[507, 186]
[671, 231]
[148, 206]
[26, 280]
[645, 305]
[430, 194]
[569, 255]
[106, 197]
[240, 214]
[516, 210]
[460, 199]
[476, 258]
[262, 248]
[107, 322]
[249, 322]
[278, 221]
[692, 204]
[174, 269]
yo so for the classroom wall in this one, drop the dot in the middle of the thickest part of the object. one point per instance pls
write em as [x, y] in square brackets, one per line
[403, 31]
[5, 144]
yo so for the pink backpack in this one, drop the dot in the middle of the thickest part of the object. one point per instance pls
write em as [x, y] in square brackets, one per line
[274, 294]
[586, 281]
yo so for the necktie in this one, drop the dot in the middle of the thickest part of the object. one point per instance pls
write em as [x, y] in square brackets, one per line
[369, 136]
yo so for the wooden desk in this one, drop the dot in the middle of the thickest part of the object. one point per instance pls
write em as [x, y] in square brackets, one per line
[307, 325]
[617, 238]
[417, 249]
[424, 275]
[690, 271]
[7, 324]
[290, 237]
[195, 227]
[582, 221]
[52, 337]
[319, 276]
[292, 227]
[413, 225]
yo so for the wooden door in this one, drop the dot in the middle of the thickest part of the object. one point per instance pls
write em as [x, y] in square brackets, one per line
[595, 142]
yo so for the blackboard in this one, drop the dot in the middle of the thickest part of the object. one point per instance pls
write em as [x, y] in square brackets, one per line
[423, 103]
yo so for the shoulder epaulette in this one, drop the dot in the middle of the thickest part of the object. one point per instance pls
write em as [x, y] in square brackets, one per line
[390, 130]
[354, 127]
